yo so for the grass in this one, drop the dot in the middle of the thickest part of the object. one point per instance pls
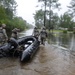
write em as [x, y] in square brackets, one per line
[60, 31]
[55, 30]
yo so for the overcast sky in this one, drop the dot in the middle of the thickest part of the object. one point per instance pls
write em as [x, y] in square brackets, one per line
[26, 8]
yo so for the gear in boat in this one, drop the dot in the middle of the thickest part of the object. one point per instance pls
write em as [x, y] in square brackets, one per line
[24, 47]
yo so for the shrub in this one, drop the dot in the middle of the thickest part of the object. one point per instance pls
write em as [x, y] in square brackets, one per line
[64, 31]
[73, 32]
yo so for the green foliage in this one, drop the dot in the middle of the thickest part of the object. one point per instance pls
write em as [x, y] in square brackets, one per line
[9, 7]
[8, 16]
[52, 19]
[64, 31]
[19, 23]
[47, 17]
[73, 32]
[55, 20]
[72, 8]
[39, 18]
[66, 21]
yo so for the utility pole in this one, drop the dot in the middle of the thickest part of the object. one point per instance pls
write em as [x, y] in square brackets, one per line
[45, 15]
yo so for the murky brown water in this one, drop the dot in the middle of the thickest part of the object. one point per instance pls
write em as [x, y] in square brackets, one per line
[49, 60]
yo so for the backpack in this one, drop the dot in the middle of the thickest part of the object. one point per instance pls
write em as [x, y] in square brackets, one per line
[36, 32]
[43, 33]
[1, 35]
[1, 30]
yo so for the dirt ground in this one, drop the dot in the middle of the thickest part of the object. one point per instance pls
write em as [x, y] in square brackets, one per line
[49, 60]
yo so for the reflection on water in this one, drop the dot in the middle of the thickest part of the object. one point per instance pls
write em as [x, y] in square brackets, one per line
[26, 33]
[63, 40]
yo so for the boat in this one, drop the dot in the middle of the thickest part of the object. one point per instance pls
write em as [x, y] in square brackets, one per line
[27, 48]
[31, 46]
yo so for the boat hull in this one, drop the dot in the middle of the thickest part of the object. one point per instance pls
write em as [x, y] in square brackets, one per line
[30, 43]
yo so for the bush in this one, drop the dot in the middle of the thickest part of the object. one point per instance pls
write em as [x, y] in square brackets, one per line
[64, 31]
[73, 32]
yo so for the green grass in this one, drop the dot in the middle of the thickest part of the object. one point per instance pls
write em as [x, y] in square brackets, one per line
[57, 30]
[60, 31]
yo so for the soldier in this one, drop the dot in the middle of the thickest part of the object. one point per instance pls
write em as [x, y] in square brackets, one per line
[43, 35]
[36, 33]
[15, 33]
[3, 34]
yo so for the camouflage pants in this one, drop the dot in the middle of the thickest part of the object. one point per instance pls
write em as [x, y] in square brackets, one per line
[43, 39]
[2, 41]
[36, 37]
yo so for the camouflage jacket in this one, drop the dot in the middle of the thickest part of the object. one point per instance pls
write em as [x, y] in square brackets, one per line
[43, 33]
[3, 35]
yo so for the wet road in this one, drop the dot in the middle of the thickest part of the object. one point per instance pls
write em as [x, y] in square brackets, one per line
[26, 33]
[49, 60]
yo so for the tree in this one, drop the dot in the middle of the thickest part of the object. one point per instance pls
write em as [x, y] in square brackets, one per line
[39, 18]
[51, 4]
[66, 21]
[72, 8]
[2, 13]
[45, 4]
[8, 16]
[55, 21]
[9, 6]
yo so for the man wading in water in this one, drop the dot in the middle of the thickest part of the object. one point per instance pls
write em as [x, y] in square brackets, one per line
[15, 33]
[36, 33]
[43, 35]
[3, 34]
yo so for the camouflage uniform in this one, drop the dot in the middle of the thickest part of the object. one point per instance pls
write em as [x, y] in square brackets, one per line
[36, 33]
[43, 35]
[3, 34]
[15, 33]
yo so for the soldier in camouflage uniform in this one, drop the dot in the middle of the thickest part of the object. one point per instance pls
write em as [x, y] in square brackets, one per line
[43, 35]
[15, 33]
[3, 34]
[36, 33]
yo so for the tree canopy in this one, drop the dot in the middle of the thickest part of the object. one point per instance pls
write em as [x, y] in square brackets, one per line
[8, 15]
[52, 20]
[47, 14]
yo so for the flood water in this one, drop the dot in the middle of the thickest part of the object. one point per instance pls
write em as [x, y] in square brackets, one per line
[55, 58]
[63, 40]
[26, 33]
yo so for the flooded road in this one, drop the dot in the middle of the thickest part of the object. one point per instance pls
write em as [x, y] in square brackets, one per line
[26, 33]
[64, 41]
[49, 60]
